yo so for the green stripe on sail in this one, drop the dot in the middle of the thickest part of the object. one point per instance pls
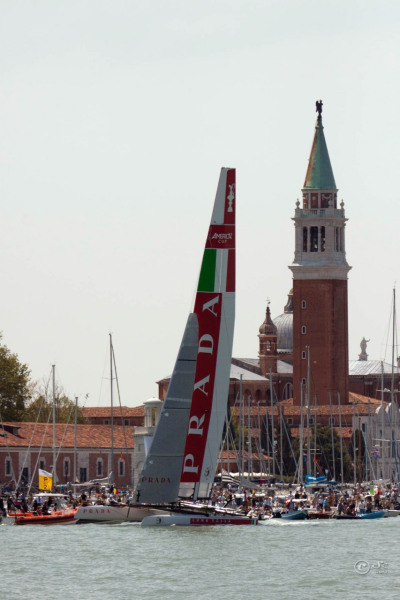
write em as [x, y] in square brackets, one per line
[207, 272]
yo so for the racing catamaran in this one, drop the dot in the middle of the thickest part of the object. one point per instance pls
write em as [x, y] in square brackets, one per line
[179, 469]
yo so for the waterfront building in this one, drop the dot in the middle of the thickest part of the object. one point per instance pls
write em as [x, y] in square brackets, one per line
[82, 454]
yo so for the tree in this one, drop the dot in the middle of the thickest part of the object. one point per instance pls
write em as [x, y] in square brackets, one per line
[287, 444]
[326, 454]
[41, 406]
[14, 385]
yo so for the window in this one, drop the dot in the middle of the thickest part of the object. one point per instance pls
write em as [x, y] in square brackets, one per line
[8, 467]
[303, 329]
[121, 467]
[303, 354]
[337, 239]
[126, 422]
[303, 381]
[66, 467]
[42, 464]
[311, 421]
[322, 239]
[105, 421]
[99, 467]
[314, 239]
[331, 420]
[82, 474]
[304, 239]
[289, 421]
[303, 304]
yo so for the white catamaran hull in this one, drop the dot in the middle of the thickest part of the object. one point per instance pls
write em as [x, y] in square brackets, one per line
[195, 520]
[113, 514]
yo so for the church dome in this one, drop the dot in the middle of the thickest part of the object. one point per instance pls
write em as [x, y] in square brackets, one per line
[284, 325]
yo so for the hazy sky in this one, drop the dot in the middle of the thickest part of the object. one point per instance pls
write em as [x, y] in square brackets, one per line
[115, 119]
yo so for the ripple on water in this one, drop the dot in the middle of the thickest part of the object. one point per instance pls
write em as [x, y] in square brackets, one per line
[89, 562]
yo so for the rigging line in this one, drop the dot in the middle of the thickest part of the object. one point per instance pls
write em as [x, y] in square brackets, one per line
[30, 441]
[64, 433]
[119, 399]
[290, 443]
[39, 453]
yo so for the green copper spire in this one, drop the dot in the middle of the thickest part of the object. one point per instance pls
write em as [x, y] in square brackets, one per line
[319, 173]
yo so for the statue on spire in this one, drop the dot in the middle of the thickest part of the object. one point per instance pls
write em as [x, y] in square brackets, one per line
[318, 107]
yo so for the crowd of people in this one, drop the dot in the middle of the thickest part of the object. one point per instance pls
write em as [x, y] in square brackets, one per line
[334, 501]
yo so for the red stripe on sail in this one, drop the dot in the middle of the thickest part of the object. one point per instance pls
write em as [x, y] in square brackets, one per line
[221, 236]
[230, 275]
[208, 310]
[230, 197]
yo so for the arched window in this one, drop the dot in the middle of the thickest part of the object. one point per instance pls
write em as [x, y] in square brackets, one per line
[322, 239]
[314, 239]
[288, 391]
[304, 239]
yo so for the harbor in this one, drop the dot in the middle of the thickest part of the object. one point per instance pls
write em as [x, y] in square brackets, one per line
[274, 559]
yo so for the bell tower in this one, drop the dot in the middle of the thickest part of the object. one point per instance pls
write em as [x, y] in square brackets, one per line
[320, 269]
[268, 352]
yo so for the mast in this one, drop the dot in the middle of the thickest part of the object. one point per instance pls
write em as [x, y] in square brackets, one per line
[112, 481]
[308, 413]
[332, 438]
[241, 430]
[281, 434]
[354, 447]
[300, 464]
[54, 427]
[75, 436]
[341, 439]
[315, 434]
[383, 423]
[249, 454]
[272, 423]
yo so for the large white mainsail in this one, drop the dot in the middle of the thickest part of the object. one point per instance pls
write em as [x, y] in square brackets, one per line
[183, 456]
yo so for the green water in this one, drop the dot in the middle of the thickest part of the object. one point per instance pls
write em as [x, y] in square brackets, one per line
[274, 560]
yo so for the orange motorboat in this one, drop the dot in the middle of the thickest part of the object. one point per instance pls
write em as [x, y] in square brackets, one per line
[56, 517]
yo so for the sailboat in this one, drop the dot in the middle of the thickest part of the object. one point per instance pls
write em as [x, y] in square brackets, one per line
[117, 511]
[178, 472]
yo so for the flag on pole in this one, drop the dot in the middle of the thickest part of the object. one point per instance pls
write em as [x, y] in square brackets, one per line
[45, 480]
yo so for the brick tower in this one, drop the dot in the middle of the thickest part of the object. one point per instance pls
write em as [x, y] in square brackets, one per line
[320, 328]
[268, 345]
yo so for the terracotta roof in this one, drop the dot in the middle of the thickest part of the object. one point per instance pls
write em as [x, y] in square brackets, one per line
[358, 405]
[104, 412]
[88, 436]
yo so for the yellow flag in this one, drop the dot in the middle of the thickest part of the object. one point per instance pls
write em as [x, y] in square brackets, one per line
[45, 481]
